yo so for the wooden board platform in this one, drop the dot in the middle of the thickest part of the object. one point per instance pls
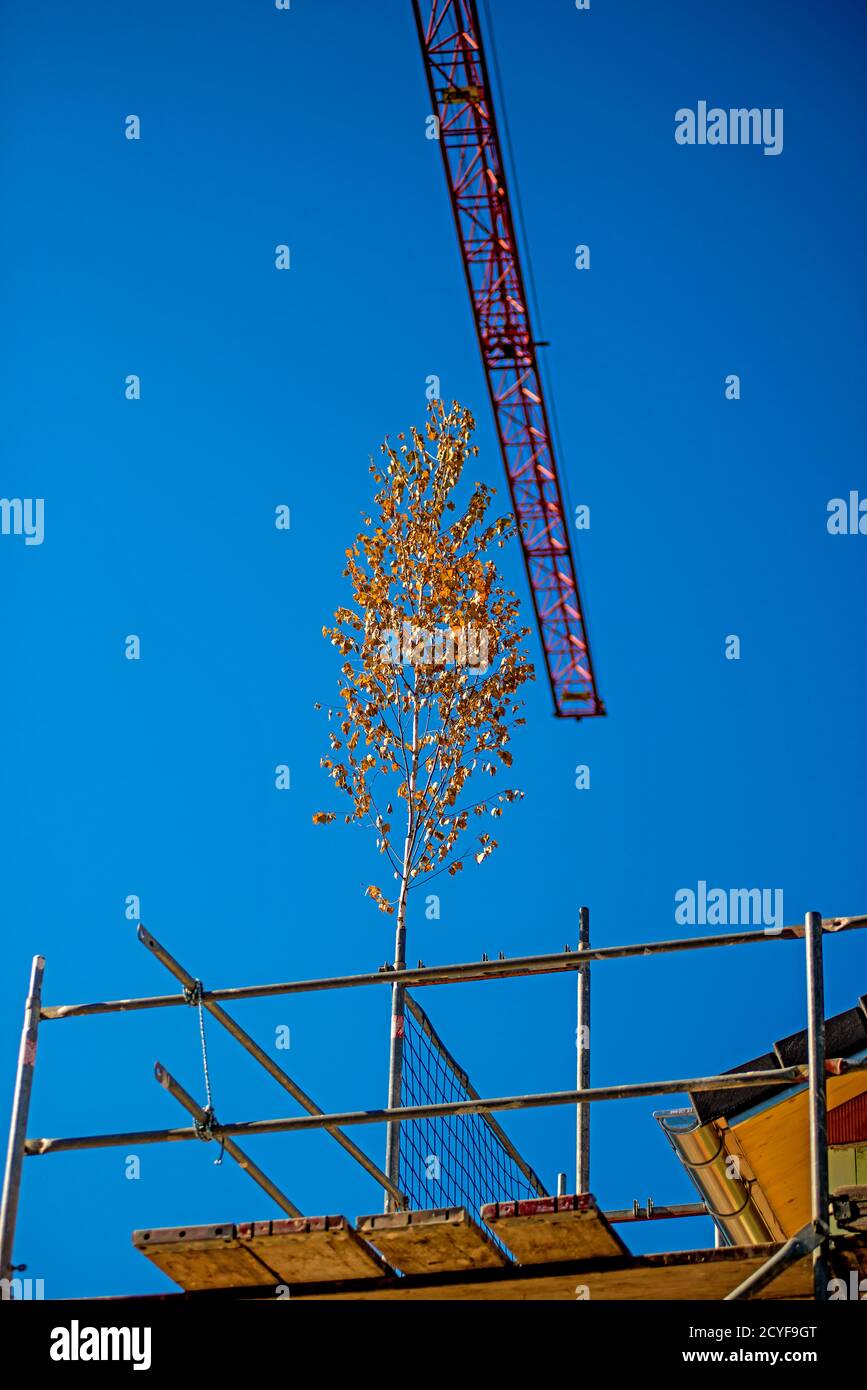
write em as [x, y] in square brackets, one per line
[227, 1262]
[302, 1250]
[429, 1242]
[202, 1257]
[553, 1228]
[311, 1249]
[704, 1275]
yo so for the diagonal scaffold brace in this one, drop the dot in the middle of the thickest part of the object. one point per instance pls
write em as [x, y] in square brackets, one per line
[271, 1067]
[207, 1127]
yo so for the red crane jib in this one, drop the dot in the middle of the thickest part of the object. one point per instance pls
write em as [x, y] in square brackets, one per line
[451, 43]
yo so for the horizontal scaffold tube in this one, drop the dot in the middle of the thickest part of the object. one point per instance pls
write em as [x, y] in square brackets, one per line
[466, 973]
[730, 1081]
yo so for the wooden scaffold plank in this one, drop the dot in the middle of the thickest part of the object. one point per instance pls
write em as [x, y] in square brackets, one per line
[431, 1242]
[312, 1249]
[203, 1257]
[553, 1228]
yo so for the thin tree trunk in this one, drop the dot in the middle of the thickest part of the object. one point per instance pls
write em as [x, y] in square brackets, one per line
[395, 1061]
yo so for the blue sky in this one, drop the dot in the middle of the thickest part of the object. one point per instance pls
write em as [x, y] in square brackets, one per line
[708, 517]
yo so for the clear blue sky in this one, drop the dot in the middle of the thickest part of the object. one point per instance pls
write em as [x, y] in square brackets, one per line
[707, 518]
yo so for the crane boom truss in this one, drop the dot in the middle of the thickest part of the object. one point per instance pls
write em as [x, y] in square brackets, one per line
[460, 89]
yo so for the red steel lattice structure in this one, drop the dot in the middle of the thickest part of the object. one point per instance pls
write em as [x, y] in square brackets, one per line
[460, 89]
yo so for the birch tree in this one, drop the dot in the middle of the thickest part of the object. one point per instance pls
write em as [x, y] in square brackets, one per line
[433, 662]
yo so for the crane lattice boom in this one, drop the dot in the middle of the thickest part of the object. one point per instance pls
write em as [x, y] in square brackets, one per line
[451, 42]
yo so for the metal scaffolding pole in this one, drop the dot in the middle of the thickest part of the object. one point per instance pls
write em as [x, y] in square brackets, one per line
[207, 1128]
[465, 973]
[820, 1197]
[395, 1066]
[812, 1239]
[652, 1212]
[18, 1122]
[582, 1039]
[729, 1081]
[189, 982]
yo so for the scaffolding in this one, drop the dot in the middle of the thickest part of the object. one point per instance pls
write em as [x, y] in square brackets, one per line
[813, 1240]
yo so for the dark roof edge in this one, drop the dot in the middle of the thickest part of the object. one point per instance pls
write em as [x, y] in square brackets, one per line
[845, 1035]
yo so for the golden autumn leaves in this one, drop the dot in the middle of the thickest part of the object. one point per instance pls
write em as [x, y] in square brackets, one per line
[433, 660]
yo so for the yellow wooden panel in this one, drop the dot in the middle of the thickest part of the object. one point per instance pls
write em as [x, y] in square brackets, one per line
[776, 1144]
[430, 1242]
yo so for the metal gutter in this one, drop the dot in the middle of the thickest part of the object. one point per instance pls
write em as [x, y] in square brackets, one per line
[715, 1173]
